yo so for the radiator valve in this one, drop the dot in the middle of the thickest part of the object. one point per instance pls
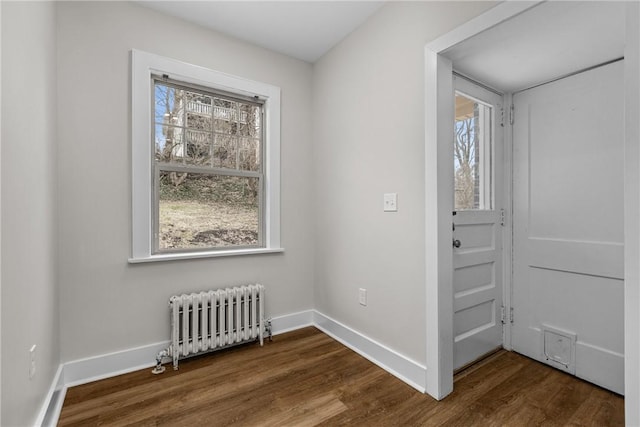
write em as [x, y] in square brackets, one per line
[159, 368]
[269, 329]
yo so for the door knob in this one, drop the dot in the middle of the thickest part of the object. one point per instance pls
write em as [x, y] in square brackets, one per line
[457, 243]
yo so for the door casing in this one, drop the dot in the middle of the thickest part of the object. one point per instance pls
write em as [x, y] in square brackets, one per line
[439, 187]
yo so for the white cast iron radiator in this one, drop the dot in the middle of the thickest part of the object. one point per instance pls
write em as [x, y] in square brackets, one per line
[211, 320]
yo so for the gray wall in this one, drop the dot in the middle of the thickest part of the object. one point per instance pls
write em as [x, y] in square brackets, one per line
[369, 140]
[107, 304]
[29, 206]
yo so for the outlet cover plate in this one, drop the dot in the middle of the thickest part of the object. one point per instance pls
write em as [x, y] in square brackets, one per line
[391, 202]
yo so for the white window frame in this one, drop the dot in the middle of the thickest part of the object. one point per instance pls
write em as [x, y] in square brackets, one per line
[143, 65]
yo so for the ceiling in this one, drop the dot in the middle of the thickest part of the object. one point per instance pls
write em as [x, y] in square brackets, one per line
[302, 29]
[550, 40]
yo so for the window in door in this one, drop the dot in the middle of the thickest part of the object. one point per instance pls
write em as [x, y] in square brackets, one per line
[472, 154]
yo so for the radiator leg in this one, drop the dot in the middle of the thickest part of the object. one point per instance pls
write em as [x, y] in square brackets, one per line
[159, 368]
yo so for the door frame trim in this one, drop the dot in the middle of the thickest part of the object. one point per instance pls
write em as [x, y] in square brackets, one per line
[438, 187]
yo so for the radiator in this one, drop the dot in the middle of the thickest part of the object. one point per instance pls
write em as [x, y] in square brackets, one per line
[212, 320]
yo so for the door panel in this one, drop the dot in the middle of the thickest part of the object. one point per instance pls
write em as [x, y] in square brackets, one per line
[477, 262]
[568, 225]
[477, 286]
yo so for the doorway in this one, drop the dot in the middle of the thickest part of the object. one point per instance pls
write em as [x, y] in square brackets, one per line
[439, 66]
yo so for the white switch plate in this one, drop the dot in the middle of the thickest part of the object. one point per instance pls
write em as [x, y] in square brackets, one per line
[32, 362]
[391, 202]
[362, 296]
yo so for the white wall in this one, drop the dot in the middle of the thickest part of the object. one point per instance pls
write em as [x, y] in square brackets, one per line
[29, 205]
[368, 140]
[107, 304]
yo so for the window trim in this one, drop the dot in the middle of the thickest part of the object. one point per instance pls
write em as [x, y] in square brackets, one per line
[143, 65]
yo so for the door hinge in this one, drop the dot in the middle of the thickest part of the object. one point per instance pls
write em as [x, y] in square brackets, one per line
[503, 315]
[502, 117]
[511, 114]
[502, 217]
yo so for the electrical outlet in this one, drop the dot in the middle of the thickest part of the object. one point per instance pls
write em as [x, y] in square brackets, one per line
[391, 202]
[32, 362]
[362, 296]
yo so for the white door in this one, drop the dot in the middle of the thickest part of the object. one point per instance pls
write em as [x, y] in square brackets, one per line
[568, 225]
[477, 234]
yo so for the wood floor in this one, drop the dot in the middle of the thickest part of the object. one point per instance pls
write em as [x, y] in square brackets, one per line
[305, 378]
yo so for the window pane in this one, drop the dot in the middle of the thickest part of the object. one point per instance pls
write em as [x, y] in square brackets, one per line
[249, 154]
[198, 103]
[225, 151]
[224, 114]
[168, 105]
[169, 144]
[472, 154]
[198, 121]
[249, 124]
[198, 148]
[207, 211]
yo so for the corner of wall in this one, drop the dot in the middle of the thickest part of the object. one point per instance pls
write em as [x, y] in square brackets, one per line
[28, 208]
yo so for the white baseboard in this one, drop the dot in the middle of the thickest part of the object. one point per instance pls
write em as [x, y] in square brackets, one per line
[121, 362]
[49, 413]
[402, 367]
[109, 365]
[291, 322]
[91, 369]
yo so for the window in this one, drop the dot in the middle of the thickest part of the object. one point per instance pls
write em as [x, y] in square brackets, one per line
[472, 154]
[208, 169]
[205, 153]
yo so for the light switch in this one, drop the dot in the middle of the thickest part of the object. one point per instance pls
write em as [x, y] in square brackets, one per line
[362, 296]
[391, 202]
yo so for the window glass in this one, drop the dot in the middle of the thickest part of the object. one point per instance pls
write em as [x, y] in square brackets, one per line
[208, 157]
[205, 211]
[472, 154]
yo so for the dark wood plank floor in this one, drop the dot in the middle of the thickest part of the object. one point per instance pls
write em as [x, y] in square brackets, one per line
[305, 378]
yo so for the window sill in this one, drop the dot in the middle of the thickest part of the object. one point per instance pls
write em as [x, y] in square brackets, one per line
[209, 254]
